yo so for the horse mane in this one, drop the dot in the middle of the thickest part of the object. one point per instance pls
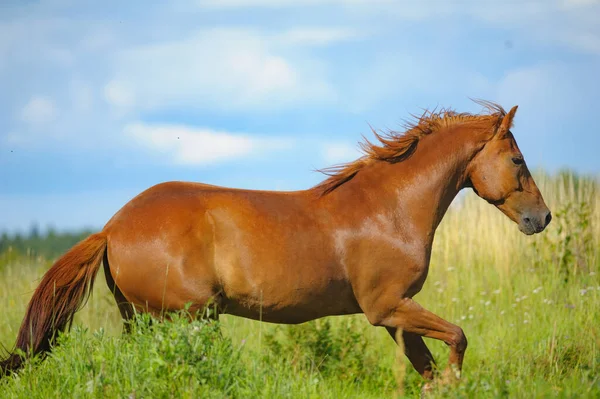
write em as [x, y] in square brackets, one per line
[398, 146]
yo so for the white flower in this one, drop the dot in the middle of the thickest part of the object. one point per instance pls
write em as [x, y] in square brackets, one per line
[497, 291]
[488, 303]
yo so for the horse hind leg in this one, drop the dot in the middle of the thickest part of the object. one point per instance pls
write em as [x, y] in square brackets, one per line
[126, 309]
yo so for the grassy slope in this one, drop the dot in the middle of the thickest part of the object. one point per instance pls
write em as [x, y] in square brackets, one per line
[529, 306]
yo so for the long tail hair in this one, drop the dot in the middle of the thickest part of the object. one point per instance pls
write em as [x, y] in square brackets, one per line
[64, 289]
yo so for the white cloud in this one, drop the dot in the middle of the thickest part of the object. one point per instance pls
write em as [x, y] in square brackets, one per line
[585, 42]
[38, 110]
[570, 23]
[580, 3]
[316, 36]
[226, 69]
[200, 146]
[118, 94]
[281, 3]
[339, 152]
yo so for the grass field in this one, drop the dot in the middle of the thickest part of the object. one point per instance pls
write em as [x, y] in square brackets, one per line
[530, 307]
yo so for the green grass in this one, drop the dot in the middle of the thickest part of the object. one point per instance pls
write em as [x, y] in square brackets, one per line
[530, 307]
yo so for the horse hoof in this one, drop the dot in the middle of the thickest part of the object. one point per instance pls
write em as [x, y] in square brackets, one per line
[426, 389]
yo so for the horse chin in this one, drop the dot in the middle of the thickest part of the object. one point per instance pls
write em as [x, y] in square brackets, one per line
[527, 229]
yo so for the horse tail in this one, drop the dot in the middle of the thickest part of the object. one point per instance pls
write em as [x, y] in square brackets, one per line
[64, 289]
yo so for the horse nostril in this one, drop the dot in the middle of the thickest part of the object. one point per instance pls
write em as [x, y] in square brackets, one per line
[548, 218]
[526, 220]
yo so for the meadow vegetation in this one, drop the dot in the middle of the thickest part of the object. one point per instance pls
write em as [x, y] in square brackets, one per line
[530, 307]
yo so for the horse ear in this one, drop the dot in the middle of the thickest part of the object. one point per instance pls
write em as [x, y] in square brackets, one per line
[507, 122]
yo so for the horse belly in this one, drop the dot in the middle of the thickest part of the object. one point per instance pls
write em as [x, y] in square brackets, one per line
[292, 303]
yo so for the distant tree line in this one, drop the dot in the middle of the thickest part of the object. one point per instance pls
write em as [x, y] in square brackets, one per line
[50, 244]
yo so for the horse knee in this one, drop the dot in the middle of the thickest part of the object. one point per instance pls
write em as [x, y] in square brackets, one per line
[458, 340]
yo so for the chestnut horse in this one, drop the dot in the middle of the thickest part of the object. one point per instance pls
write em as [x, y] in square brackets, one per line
[359, 242]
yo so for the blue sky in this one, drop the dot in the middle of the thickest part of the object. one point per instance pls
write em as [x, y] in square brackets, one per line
[100, 100]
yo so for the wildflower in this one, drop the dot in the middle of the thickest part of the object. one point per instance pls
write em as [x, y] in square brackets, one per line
[436, 283]
[501, 312]
[497, 291]
[463, 317]
[470, 308]
[538, 289]
[487, 303]
[454, 299]
[525, 321]
[450, 269]
[592, 273]
[483, 293]
[470, 317]
[582, 291]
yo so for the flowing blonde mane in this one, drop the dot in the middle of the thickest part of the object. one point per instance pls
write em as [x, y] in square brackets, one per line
[398, 146]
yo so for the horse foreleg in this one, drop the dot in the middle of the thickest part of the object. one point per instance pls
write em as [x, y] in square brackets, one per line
[417, 352]
[418, 322]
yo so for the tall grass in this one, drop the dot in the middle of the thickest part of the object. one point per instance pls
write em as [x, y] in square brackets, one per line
[530, 307]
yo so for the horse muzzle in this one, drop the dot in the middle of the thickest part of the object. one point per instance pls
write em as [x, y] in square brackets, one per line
[535, 222]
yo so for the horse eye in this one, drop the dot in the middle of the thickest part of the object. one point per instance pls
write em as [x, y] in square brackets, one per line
[517, 160]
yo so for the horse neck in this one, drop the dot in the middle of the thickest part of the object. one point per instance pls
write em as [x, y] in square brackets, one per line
[413, 194]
